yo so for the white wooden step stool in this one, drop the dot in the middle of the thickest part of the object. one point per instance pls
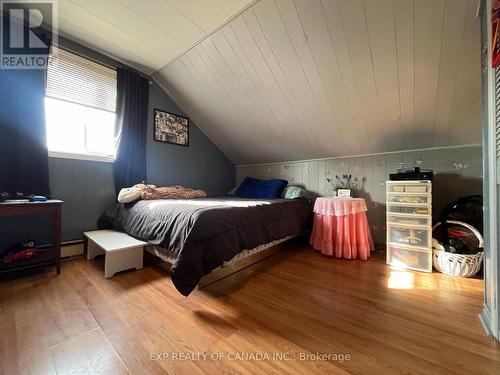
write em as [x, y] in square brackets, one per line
[120, 250]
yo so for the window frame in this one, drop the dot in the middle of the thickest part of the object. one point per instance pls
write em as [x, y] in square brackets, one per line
[76, 156]
[88, 156]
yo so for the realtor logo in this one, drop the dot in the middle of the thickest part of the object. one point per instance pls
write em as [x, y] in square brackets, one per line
[28, 30]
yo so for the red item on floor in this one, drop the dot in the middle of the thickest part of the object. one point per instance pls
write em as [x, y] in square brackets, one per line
[21, 255]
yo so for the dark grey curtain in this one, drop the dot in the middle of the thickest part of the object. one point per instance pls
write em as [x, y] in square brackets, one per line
[23, 141]
[131, 128]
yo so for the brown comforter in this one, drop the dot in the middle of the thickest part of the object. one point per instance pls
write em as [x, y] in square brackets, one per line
[170, 192]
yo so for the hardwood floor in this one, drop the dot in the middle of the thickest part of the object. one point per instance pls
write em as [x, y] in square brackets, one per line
[296, 301]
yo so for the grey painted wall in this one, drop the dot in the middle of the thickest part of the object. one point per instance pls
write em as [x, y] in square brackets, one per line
[449, 182]
[87, 187]
[200, 165]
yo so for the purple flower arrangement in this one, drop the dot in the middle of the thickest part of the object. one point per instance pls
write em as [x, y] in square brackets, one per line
[344, 182]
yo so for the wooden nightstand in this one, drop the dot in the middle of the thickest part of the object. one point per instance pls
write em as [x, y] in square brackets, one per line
[44, 257]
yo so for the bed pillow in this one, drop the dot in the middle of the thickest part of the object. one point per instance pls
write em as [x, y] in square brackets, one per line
[132, 194]
[128, 195]
[232, 191]
[261, 189]
[293, 192]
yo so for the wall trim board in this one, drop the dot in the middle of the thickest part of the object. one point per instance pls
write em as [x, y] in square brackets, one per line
[114, 61]
[491, 310]
[361, 155]
[484, 318]
[67, 155]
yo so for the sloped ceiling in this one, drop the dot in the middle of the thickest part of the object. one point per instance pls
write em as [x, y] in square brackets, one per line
[147, 34]
[298, 79]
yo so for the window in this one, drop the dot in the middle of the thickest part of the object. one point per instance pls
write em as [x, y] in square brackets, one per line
[80, 105]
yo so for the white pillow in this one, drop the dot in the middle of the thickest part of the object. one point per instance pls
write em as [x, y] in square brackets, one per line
[128, 195]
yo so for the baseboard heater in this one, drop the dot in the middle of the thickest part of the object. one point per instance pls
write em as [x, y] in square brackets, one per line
[68, 248]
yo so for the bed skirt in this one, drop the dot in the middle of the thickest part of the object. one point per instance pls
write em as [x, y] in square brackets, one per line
[169, 256]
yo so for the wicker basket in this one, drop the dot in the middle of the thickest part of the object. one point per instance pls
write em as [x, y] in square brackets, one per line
[463, 265]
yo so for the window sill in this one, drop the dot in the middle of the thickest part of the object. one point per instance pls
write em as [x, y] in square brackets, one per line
[88, 157]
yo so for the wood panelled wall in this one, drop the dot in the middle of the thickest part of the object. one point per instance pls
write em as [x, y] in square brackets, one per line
[458, 172]
[147, 34]
[322, 78]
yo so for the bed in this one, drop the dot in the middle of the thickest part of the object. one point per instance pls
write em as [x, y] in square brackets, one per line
[198, 236]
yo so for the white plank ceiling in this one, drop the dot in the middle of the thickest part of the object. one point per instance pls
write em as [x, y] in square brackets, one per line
[147, 34]
[299, 79]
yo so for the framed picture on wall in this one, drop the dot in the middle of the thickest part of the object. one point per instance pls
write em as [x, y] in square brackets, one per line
[171, 128]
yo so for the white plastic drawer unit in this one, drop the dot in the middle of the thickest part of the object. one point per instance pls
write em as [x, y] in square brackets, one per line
[409, 224]
[400, 257]
[409, 235]
[418, 220]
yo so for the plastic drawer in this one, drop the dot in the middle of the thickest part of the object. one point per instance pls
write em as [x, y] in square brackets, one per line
[403, 208]
[412, 187]
[412, 259]
[408, 198]
[408, 236]
[411, 220]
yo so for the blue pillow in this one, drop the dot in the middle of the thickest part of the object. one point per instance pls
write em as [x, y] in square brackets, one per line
[261, 189]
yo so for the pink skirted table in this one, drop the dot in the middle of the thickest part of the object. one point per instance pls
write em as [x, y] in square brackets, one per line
[341, 228]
